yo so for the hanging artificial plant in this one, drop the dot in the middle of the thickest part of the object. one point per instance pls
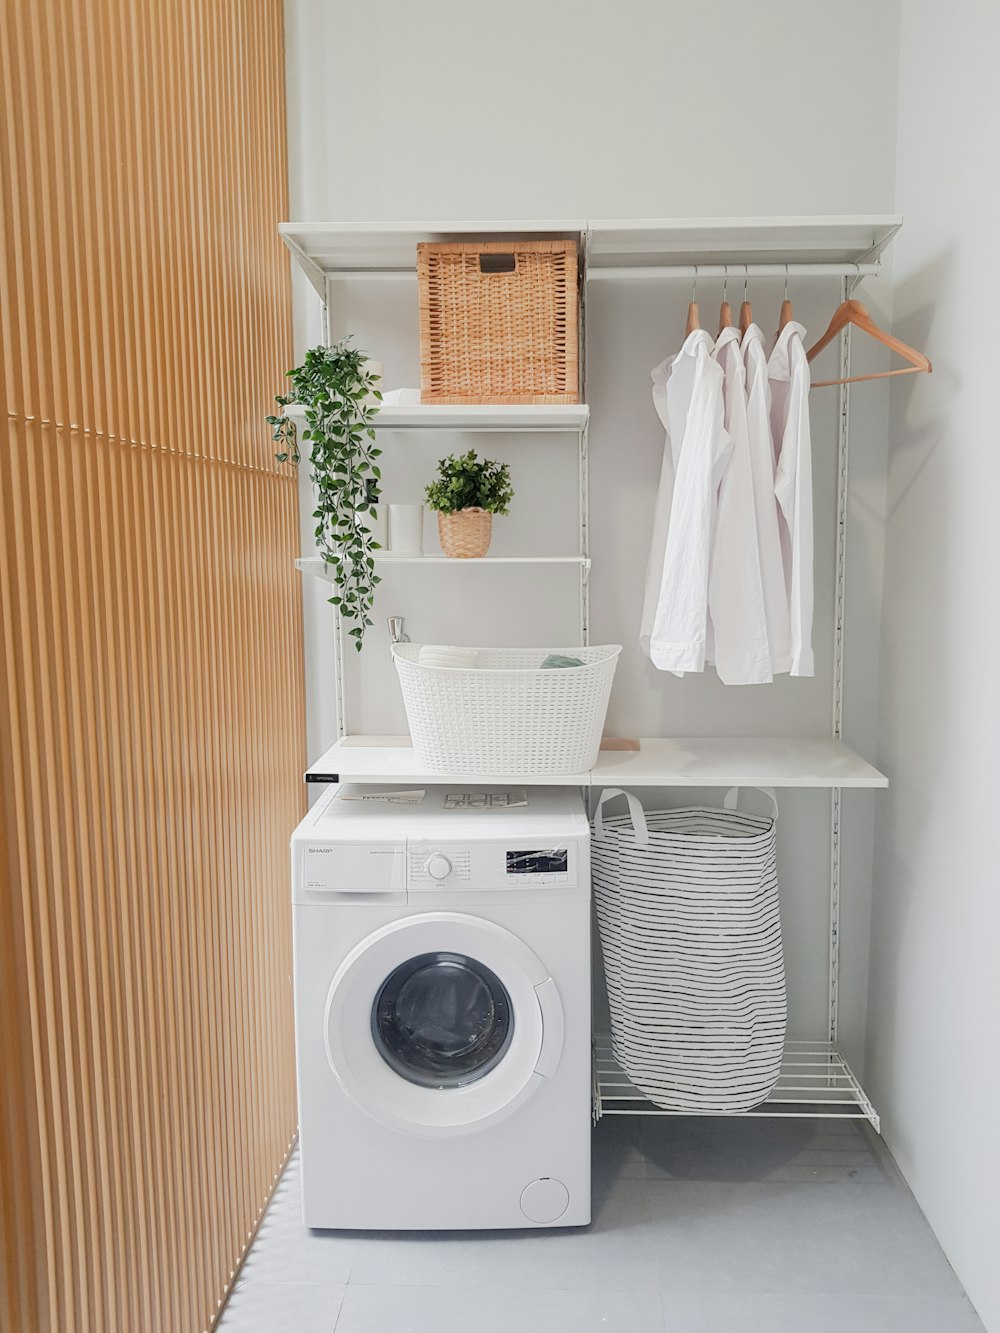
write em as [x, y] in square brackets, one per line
[337, 390]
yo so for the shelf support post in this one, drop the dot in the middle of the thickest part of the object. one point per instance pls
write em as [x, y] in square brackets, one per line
[583, 490]
[837, 720]
[338, 672]
[338, 620]
[583, 470]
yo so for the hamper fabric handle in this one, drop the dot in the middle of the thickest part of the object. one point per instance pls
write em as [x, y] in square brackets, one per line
[732, 798]
[639, 829]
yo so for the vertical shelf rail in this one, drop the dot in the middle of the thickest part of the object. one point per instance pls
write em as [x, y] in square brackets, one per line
[338, 666]
[338, 620]
[583, 489]
[839, 603]
[583, 463]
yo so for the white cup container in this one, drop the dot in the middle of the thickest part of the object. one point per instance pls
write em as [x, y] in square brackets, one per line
[379, 526]
[406, 529]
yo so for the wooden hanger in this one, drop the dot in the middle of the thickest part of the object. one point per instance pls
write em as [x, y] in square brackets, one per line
[694, 316]
[853, 312]
[725, 310]
[746, 314]
[786, 315]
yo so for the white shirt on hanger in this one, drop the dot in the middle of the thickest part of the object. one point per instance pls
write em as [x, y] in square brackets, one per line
[772, 568]
[735, 590]
[687, 392]
[788, 377]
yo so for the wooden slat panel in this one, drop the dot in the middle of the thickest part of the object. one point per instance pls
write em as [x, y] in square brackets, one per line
[151, 665]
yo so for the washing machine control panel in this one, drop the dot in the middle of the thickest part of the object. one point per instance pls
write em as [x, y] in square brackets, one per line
[490, 865]
[431, 866]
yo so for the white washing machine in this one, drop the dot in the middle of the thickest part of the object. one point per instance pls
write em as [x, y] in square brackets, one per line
[442, 1009]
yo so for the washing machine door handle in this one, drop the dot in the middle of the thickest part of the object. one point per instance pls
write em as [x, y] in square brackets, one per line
[553, 1028]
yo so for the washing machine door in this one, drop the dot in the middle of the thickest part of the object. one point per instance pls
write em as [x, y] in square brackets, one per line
[442, 1024]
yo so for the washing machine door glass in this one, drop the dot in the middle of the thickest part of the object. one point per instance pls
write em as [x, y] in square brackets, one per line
[442, 1020]
[441, 1023]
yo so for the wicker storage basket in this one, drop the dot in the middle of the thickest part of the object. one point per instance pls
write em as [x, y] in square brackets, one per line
[498, 322]
[465, 534]
[507, 716]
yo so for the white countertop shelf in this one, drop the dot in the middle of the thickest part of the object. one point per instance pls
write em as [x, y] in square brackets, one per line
[734, 762]
[319, 569]
[557, 418]
[377, 759]
[700, 762]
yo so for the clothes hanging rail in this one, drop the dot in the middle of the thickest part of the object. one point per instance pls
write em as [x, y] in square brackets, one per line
[832, 270]
[736, 271]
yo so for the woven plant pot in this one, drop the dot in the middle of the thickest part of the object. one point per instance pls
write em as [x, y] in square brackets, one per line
[466, 534]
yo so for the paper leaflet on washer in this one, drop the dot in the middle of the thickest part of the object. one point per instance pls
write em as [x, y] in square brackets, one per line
[485, 800]
[388, 797]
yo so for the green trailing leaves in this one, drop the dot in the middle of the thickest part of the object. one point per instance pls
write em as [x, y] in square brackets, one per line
[470, 482]
[335, 387]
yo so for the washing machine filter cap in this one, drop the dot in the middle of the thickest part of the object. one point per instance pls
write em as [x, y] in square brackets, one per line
[544, 1200]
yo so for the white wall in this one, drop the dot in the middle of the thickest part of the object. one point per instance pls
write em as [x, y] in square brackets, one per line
[650, 109]
[577, 108]
[935, 951]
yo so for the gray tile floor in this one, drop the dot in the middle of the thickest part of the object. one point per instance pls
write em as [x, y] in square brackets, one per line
[700, 1226]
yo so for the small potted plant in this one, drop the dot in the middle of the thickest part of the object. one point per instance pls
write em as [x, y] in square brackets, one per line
[467, 493]
[337, 388]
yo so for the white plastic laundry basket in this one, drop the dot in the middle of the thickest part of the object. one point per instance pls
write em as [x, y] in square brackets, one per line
[687, 905]
[507, 715]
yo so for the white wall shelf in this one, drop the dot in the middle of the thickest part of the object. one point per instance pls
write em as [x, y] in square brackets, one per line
[319, 569]
[387, 248]
[817, 241]
[659, 762]
[390, 249]
[569, 418]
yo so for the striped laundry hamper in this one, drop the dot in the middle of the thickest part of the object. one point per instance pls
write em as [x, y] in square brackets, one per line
[687, 907]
